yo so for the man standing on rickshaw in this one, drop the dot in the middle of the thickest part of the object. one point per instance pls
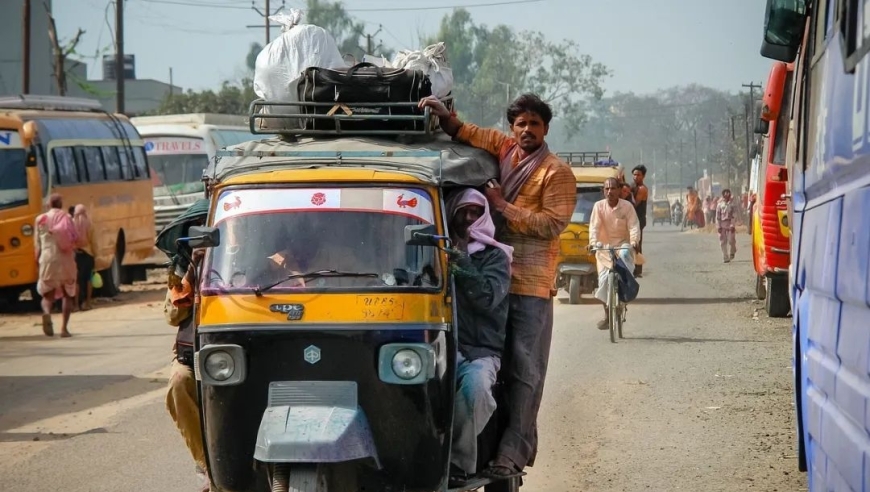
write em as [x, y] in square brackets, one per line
[481, 266]
[536, 199]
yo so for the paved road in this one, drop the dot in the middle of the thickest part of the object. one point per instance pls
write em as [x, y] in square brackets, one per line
[698, 397]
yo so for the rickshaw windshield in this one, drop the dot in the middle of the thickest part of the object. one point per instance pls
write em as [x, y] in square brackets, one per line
[327, 239]
[586, 198]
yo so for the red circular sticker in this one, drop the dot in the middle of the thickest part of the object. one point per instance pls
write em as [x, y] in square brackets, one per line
[318, 199]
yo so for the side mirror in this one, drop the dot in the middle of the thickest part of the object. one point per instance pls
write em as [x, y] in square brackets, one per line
[422, 235]
[204, 237]
[784, 23]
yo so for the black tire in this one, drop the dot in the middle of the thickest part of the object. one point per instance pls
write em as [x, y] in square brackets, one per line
[509, 485]
[620, 321]
[574, 289]
[300, 478]
[760, 288]
[112, 278]
[777, 303]
[611, 306]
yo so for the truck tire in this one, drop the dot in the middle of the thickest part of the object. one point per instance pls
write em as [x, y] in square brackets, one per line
[776, 302]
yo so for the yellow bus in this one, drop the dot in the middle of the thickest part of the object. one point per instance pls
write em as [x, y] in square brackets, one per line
[72, 147]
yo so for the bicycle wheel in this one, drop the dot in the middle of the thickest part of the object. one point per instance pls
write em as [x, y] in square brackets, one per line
[613, 312]
[621, 317]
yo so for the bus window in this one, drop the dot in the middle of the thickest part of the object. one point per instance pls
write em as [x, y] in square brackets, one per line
[93, 160]
[781, 137]
[42, 164]
[112, 163]
[65, 166]
[140, 163]
[13, 178]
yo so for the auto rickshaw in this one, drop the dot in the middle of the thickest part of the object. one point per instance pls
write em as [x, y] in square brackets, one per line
[661, 212]
[577, 272]
[325, 339]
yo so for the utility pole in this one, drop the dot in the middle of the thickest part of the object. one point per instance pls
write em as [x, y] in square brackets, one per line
[370, 44]
[119, 56]
[265, 15]
[749, 109]
[25, 65]
[695, 136]
[682, 183]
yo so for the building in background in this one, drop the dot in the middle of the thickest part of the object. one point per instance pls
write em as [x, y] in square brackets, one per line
[141, 95]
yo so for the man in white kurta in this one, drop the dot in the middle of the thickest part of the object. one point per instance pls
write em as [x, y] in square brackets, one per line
[613, 223]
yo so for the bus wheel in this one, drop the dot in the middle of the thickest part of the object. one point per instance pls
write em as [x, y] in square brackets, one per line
[574, 289]
[776, 303]
[111, 278]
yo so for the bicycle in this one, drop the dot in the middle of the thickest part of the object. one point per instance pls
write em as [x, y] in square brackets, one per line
[616, 309]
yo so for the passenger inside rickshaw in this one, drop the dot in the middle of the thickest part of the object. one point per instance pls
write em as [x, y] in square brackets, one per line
[356, 249]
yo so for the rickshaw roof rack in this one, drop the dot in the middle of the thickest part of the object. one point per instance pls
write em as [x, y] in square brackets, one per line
[291, 121]
[437, 160]
[588, 159]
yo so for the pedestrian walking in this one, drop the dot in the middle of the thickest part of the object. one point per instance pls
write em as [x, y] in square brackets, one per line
[55, 251]
[85, 253]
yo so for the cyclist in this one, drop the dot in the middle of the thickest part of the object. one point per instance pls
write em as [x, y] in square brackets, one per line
[614, 222]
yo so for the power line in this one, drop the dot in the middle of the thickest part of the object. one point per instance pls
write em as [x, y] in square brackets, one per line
[191, 3]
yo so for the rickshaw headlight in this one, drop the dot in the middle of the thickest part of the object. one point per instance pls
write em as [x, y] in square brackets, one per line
[220, 365]
[407, 364]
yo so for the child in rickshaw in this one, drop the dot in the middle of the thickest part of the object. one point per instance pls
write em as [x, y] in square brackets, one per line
[481, 268]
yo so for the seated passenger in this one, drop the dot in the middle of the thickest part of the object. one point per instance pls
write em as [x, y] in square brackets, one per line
[482, 272]
[614, 223]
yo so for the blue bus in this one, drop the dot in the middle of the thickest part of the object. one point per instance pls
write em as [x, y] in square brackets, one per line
[829, 158]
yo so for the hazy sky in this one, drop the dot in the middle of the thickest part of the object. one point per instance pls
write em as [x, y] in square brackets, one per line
[648, 44]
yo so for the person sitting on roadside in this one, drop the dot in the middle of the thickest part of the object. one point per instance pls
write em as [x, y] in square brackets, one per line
[614, 223]
[482, 271]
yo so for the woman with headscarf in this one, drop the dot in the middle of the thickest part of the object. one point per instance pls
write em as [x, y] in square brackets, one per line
[55, 250]
[85, 251]
[482, 273]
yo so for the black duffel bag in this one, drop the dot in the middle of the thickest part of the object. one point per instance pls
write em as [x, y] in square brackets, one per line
[363, 83]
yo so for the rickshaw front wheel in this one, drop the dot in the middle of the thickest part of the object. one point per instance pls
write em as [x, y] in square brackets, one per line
[298, 478]
[574, 289]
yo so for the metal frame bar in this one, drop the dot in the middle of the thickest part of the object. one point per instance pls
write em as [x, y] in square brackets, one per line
[338, 117]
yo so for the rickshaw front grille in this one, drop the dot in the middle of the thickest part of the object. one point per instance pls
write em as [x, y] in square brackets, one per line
[313, 394]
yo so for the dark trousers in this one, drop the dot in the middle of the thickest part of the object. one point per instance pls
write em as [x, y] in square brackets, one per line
[85, 267]
[529, 333]
[638, 269]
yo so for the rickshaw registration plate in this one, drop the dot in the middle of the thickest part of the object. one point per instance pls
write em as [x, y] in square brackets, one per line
[381, 307]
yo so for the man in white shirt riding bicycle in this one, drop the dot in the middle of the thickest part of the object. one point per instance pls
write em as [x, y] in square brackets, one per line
[614, 222]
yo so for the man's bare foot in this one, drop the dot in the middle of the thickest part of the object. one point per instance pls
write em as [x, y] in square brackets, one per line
[65, 334]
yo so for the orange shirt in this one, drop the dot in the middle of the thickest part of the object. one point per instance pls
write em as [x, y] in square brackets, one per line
[536, 218]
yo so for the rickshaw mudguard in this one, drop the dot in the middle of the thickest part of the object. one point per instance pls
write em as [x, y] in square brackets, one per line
[314, 434]
[577, 269]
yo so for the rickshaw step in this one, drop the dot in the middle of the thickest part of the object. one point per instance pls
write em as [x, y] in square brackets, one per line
[477, 483]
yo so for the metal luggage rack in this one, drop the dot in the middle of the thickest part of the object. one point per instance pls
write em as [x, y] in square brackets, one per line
[338, 113]
[584, 159]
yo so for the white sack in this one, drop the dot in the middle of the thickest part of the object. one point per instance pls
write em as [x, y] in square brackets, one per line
[432, 61]
[280, 65]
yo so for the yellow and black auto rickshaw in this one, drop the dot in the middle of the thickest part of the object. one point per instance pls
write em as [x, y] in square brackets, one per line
[661, 211]
[577, 272]
[338, 376]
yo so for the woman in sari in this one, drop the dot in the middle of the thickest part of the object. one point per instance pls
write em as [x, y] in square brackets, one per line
[55, 250]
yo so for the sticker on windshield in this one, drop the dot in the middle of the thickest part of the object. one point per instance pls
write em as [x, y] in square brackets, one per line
[407, 202]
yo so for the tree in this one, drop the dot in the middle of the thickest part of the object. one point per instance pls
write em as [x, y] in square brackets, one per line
[229, 99]
[491, 66]
[350, 34]
[251, 60]
[60, 54]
